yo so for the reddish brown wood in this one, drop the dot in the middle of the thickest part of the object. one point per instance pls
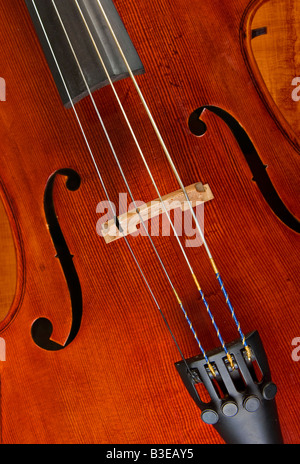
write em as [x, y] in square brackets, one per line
[116, 383]
[277, 56]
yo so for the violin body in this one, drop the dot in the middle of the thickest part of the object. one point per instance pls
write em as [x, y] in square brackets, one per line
[115, 381]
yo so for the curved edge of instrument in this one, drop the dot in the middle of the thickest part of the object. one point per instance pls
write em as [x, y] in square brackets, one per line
[19, 257]
[246, 38]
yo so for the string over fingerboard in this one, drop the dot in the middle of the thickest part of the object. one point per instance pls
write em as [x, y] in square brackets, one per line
[83, 46]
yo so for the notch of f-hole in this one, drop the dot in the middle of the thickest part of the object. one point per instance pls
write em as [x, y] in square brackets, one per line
[42, 328]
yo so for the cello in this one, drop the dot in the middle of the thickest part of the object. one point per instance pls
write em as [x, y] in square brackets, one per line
[145, 340]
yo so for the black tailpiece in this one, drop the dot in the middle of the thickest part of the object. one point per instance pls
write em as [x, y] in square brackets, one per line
[242, 404]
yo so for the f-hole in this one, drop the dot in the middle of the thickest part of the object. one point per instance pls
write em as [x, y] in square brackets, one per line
[42, 328]
[258, 169]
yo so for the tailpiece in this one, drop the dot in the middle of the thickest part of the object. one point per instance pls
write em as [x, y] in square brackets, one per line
[242, 405]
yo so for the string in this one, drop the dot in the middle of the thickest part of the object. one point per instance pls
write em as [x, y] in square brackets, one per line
[157, 190]
[137, 209]
[175, 171]
[111, 205]
[130, 193]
